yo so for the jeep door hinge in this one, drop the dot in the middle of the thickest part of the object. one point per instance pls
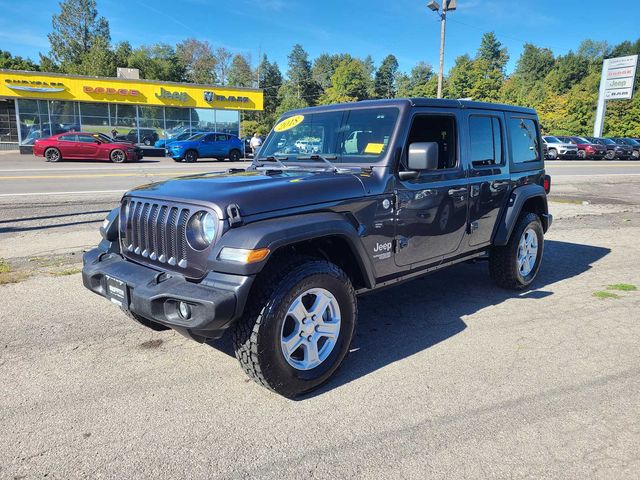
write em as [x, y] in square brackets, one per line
[233, 212]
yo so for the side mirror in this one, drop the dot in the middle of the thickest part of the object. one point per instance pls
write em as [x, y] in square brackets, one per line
[97, 141]
[423, 156]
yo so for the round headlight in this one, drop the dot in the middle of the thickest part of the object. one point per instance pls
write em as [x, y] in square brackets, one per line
[201, 230]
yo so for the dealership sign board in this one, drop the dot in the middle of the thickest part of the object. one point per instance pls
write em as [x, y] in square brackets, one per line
[49, 86]
[616, 83]
[618, 75]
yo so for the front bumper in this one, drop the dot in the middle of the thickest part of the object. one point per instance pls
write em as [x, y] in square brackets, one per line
[215, 302]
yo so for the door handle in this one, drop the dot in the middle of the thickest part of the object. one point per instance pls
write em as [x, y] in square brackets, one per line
[458, 192]
[499, 184]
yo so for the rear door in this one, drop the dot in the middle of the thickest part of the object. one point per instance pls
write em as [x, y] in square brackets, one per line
[222, 145]
[489, 178]
[207, 147]
[68, 146]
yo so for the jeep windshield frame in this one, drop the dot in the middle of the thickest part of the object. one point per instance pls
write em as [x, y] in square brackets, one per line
[351, 135]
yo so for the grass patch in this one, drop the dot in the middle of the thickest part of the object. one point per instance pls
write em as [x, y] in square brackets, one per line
[64, 273]
[12, 277]
[622, 287]
[4, 266]
[602, 294]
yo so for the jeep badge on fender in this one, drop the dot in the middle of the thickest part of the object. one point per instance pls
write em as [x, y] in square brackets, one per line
[340, 200]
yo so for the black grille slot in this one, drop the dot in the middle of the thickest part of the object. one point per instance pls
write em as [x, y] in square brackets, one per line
[156, 232]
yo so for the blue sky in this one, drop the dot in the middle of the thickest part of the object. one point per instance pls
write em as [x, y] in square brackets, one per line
[405, 28]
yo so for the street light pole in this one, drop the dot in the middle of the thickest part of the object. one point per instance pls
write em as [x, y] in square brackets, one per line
[447, 5]
[443, 21]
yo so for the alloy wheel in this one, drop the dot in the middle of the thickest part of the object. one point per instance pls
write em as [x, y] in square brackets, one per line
[527, 252]
[310, 329]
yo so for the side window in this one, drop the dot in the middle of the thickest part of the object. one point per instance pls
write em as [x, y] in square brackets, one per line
[524, 140]
[68, 138]
[486, 141]
[86, 138]
[440, 129]
[221, 137]
[209, 138]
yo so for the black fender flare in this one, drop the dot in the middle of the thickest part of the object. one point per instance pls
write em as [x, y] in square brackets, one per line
[518, 198]
[282, 231]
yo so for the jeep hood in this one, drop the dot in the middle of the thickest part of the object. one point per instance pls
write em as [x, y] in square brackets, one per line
[257, 192]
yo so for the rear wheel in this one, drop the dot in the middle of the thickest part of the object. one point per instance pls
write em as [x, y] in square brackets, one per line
[147, 141]
[610, 155]
[52, 155]
[516, 264]
[297, 326]
[235, 155]
[117, 156]
[190, 156]
[582, 154]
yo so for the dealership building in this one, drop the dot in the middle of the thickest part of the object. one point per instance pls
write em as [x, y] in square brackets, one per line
[35, 105]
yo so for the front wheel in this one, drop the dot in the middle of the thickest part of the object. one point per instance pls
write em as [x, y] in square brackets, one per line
[610, 155]
[117, 156]
[191, 156]
[516, 264]
[297, 326]
[552, 154]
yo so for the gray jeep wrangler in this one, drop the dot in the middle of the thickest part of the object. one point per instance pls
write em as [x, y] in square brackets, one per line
[278, 252]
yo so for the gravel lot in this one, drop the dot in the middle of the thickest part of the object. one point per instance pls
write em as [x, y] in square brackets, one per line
[449, 377]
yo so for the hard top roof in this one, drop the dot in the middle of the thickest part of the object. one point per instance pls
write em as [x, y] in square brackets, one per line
[420, 102]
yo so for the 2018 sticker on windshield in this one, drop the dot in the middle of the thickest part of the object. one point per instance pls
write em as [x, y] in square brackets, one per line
[288, 123]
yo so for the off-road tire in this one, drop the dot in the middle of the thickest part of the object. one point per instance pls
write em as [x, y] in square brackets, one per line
[190, 156]
[503, 261]
[52, 155]
[256, 337]
[117, 156]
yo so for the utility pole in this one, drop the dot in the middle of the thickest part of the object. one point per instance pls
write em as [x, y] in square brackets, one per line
[447, 5]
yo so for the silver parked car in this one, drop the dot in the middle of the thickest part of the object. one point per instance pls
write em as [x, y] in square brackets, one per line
[556, 148]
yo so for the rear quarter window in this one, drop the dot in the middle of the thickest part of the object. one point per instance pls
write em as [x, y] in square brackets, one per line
[524, 136]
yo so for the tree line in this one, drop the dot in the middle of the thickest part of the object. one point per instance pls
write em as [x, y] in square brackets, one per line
[562, 88]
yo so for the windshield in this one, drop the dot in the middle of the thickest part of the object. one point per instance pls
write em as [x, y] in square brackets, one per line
[608, 141]
[550, 139]
[103, 138]
[347, 136]
[582, 140]
[631, 141]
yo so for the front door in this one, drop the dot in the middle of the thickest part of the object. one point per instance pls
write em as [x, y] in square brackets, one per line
[87, 146]
[489, 178]
[431, 215]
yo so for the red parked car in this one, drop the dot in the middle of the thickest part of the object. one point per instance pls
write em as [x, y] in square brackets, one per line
[586, 149]
[85, 146]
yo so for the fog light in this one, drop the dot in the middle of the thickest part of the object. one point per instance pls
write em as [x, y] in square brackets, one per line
[185, 310]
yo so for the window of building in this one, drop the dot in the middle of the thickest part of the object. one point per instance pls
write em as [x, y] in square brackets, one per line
[34, 120]
[485, 140]
[123, 120]
[95, 117]
[228, 121]
[524, 140]
[203, 120]
[64, 116]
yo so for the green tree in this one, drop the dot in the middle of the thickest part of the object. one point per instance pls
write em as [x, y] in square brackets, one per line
[492, 52]
[121, 54]
[459, 80]
[98, 61]
[240, 72]
[157, 62]
[197, 61]
[569, 70]
[418, 83]
[385, 79]
[75, 30]
[324, 66]
[349, 83]
[9, 62]
[301, 82]
[270, 81]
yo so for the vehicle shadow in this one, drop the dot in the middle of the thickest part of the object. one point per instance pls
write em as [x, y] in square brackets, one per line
[400, 321]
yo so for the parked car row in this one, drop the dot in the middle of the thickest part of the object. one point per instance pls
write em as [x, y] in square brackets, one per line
[591, 148]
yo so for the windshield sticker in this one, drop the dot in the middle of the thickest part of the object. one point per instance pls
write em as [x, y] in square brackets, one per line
[374, 148]
[288, 123]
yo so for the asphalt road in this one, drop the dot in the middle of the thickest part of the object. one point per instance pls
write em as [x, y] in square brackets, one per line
[448, 377]
[25, 175]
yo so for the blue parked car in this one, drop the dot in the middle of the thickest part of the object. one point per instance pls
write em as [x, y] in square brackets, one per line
[163, 142]
[207, 145]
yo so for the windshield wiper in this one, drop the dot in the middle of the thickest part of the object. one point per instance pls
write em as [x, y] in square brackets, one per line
[324, 159]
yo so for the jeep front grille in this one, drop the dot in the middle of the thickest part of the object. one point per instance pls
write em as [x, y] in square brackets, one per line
[155, 232]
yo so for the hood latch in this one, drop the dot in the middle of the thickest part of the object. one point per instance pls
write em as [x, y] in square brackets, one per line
[233, 212]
